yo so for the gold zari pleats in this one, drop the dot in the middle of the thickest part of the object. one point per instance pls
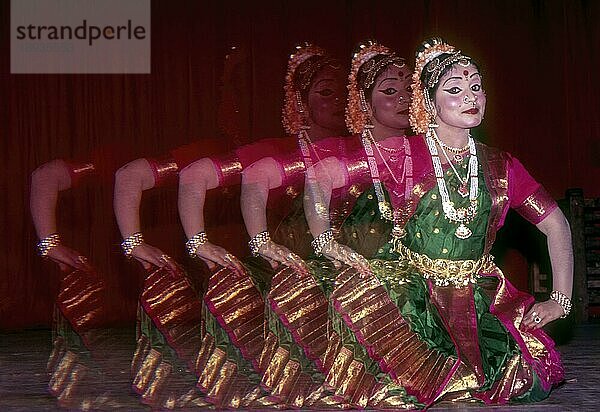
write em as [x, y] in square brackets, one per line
[374, 317]
[235, 301]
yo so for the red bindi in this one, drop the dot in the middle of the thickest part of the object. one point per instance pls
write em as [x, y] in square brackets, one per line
[466, 73]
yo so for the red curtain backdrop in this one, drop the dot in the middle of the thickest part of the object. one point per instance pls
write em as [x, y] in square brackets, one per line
[540, 65]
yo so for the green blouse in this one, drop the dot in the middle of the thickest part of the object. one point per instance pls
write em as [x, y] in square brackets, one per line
[430, 233]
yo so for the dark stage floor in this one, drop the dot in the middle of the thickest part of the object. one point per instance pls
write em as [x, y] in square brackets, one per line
[23, 379]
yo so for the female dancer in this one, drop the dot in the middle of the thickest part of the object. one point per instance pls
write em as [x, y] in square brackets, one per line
[453, 326]
[80, 315]
[317, 79]
[349, 375]
[169, 334]
[377, 111]
[229, 359]
[313, 113]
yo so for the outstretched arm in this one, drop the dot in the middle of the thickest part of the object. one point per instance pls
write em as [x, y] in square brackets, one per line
[558, 234]
[322, 179]
[257, 180]
[325, 176]
[130, 181]
[46, 181]
[194, 181]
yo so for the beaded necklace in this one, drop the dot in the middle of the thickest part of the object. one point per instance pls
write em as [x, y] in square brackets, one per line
[462, 216]
[457, 151]
[462, 190]
[386, 210]
[305, 144]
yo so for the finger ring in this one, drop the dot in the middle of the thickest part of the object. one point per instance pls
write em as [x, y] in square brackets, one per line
[164, 258]
[534, 314]
[228, 256]
[81, 259]
[354, 255]
[537, 319]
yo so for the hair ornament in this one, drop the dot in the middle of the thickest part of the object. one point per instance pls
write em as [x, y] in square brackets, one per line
[429, 58]
[302, 65]
[366, 67]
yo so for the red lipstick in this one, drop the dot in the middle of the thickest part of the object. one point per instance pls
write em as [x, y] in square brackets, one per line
[474, 110]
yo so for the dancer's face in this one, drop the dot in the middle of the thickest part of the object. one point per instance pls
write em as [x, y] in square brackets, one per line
[390, 97]
[327, 99]
[460, 99]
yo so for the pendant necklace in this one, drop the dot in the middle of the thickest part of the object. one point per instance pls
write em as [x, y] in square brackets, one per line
[462, 189]
[463, 216]
[386, 210]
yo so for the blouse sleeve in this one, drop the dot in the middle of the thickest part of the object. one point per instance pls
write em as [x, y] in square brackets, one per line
[164, 169]
[189, 153]
[292, 163]
[80, 171]
[527, 196]
[228, 168]
[291, 168]
[270, 147]
[355, 168]
[101, 164]
[230, 165]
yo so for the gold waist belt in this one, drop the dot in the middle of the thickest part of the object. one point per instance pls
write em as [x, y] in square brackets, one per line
[444, 272]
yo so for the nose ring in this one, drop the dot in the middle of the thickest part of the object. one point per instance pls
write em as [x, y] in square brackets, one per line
[466, 99]
[401, 99]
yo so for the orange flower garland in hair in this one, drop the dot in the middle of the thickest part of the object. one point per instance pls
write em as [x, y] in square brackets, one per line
[419, 114]
[356, 116]
[292, 116]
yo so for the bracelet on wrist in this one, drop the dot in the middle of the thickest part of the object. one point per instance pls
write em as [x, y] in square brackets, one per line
[131, 242]
[563, 301]
[46, 244]
[321, 241]
[258, 241]
[195, 242]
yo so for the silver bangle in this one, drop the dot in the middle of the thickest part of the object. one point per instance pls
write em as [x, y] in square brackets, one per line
[258, 241]
[46, 244]
[321, 241]
[195, 242]
[563, 301]
[131, 242]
